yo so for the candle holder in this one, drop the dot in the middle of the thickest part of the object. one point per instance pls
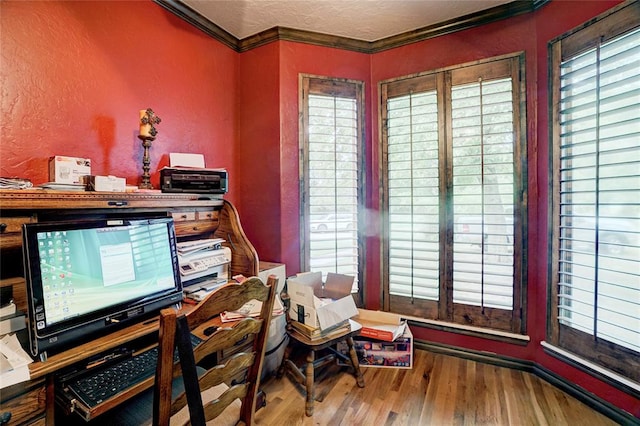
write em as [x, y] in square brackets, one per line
[147, 135]
[146, 162]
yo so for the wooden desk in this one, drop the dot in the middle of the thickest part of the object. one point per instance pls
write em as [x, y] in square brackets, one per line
[42, 397]
[33, 402]
[305, 374]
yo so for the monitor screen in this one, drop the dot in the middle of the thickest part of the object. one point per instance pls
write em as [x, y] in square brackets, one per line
[89, 276]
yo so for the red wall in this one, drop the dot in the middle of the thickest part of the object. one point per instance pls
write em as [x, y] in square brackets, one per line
[75, 74]
[268, 145]
[258, 154]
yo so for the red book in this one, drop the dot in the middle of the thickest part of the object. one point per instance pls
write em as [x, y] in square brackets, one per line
[380, 325]
[385, 332]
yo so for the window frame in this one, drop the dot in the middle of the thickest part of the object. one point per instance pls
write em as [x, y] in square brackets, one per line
[332, 86]
[443, 309]
[607, 26]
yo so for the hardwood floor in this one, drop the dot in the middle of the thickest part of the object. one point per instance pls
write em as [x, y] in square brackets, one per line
[439, 390]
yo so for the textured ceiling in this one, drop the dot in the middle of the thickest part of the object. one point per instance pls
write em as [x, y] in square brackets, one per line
[367, 20]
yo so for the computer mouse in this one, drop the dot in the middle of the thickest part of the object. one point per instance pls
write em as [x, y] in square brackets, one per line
[210, 330]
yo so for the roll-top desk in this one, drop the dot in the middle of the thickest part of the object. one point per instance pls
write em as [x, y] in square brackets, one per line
[196, 216]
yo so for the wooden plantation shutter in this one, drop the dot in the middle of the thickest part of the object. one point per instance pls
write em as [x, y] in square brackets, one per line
[452, 184]
[595, 275]
[413, 204]
[331, 174]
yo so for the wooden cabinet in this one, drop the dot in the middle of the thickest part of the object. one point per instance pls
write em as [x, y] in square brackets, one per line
[26, 402]
[11, 230]
[194, 218]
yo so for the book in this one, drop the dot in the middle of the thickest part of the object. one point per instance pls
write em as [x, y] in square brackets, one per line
[317, 333]
[14, 361]
[386, 332]
[380, 325]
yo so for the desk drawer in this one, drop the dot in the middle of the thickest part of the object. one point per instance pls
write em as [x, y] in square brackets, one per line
[207, 215]
[184, 216]
[26, 407]
[11, 230]
[195, 228]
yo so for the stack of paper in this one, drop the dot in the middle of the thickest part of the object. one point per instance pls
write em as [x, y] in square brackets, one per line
[186, 248]
[14, 183]
[251, 309]
[8, 309]
[14, 361]
[316, 333]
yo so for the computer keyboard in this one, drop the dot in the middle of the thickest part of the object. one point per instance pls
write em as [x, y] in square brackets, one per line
[102, 383]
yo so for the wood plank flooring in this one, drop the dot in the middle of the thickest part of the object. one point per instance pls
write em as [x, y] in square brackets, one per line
[439, 390]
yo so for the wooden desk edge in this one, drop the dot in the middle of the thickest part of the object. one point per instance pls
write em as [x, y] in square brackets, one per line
[69, 357]
[109, 341]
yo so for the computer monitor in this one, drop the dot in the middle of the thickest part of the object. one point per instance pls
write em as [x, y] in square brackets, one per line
[85, 278]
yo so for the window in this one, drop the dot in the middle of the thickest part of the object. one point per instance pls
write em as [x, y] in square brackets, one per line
[452, 142]
[331, 174]
[595, 258]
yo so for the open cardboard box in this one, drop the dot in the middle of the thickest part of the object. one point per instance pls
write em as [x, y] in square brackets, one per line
[321, 305]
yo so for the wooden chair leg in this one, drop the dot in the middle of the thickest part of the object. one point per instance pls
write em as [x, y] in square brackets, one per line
[310, 385]
[356, 364]
[283, 365]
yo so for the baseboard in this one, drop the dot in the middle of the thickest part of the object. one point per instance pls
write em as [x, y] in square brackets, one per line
[480, 356]
[614, 413]
[593, 401]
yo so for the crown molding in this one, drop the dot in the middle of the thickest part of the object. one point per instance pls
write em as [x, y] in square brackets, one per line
[192, 17]
[484, 17]
[477, 19]
[302, 36]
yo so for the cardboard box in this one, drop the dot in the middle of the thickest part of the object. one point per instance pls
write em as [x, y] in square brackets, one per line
[105, 183]
[382, 354]
[380, 325]
[271, 268]
[321, 305]
[69, 170]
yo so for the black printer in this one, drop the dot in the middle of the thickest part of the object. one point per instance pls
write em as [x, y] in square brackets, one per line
[193, 179]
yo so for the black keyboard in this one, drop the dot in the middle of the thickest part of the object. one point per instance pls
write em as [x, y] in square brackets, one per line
[102, 383]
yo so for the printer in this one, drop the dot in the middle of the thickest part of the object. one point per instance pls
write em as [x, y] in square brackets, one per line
[194, 180]
[202, 260]
[204, 272]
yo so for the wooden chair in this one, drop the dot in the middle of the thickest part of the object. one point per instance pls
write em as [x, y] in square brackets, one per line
[305, 375]
[238, 375]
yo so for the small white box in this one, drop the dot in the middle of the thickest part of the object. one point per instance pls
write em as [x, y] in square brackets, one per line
[271, 268]
[106, 183]
[69, 170]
